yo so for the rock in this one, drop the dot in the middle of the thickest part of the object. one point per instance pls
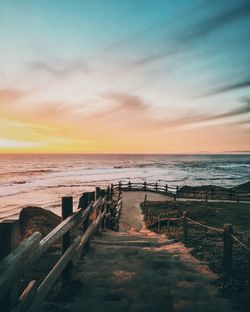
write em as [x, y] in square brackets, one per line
[36, 219]
[245, 187]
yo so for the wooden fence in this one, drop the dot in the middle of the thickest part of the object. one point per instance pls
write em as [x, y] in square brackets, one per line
[183, 192]
[227, 235]
[103, 211]
[177, 192]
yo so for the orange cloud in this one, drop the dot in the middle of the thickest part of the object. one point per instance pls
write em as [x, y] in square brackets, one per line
[9, 95]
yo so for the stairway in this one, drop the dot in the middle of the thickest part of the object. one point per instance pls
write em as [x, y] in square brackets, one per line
[133, 272]
[139, 271]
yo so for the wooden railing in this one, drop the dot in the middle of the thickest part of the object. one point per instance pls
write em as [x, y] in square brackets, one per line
[104, 212]
[179, 192]
[145, 186]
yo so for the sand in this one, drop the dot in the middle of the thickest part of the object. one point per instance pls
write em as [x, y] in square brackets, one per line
[131, 216]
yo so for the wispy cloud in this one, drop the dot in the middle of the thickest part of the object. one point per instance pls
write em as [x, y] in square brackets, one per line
[60, 68]
[31, 111]
[229, 87]
[208, 26]
[123, 111]
[133, 111]
[127, 102]
[203, 118]
[183, 40]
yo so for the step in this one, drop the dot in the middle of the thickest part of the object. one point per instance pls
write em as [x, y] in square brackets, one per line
[130, 243]
[127, 236]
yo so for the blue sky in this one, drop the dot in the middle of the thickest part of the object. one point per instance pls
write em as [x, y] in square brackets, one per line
[180, 66]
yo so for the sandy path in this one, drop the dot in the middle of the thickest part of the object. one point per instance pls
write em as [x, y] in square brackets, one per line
[131, 216]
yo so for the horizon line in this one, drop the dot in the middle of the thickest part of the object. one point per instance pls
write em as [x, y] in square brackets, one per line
[129, 153]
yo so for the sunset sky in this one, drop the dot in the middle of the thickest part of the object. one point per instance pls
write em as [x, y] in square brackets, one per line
[124, 76]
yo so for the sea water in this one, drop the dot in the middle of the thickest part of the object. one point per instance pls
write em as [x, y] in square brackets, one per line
[41, 180]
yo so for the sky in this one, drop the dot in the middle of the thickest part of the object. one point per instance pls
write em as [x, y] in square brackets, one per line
[124, 76]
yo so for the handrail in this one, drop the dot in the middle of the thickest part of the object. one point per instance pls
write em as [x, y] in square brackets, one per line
[53, 275]
[21, 252]
[218, 230]
[64, 227]
[242, 244]
[205, 226]
[12, 266]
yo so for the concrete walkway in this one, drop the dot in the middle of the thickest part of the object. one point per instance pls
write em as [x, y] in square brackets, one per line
[136, 270]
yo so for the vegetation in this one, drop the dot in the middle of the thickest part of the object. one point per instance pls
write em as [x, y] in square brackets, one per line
[208, 245]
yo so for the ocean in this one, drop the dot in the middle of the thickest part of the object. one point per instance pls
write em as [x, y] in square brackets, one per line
[41, 180]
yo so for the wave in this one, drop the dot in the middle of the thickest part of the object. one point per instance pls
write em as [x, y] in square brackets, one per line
[216, 179]
[27, 172]
[232, 166]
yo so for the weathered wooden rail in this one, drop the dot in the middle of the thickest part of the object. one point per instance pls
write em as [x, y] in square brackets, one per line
[179, 192]
[91, 216]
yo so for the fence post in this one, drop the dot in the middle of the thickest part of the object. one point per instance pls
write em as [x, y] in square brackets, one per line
[194, 193]
[108, 193]
[10, 232]
[238, 199]
[166, 189]
[156, 186]
[96, 211]
[86, 222]
[185, 226]
[168, 225]
[97, 192]
[103, 220]
[227, 248]
[107, 219]
[9, 229]
[145, 203]
[111, 191]
[67, 210]
[177, 190]
[129, 185]
[159, 224]
[120, 186]
[206, 199]
[145, 186]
